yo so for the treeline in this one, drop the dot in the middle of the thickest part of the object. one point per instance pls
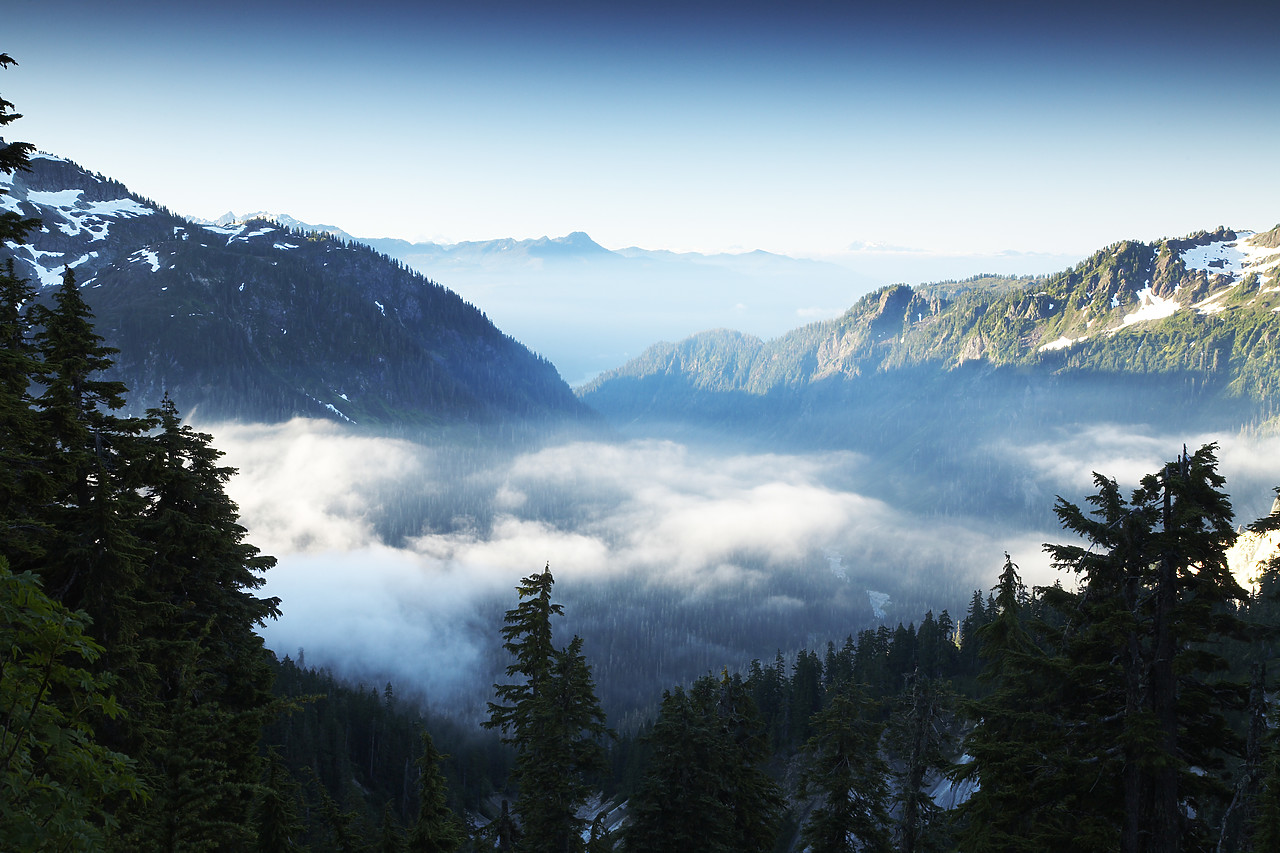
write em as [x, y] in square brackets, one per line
[139, 708]
[1131, 711]
[133, 686]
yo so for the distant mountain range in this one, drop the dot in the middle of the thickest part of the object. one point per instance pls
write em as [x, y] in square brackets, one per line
[268, 318]
[589, 309]
[262, 322]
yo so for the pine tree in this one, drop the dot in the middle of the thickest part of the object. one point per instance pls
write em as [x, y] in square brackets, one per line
[24, 480]
[1158, 589]
[14, 157]
[92, 559]
[705, 788]
[24, 483]
[197, 635]
[279, 829]
[1021, 802]
[552, 717]
[436, 829]
[846, 769]
[806, 694]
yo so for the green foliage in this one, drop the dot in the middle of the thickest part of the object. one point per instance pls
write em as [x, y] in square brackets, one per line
[279, 828]
[59, 783]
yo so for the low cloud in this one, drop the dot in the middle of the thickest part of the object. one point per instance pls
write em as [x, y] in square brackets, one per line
[396, 559]
[1251, 464]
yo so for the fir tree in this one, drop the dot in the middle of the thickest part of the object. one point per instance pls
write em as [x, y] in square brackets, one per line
[1019, 803]
[705, 788]
[279, 829]
[552, 717]
[1157, 587]
[847, 771]
[24, 483]
[198, 636]
[92, 558]
[437, 829]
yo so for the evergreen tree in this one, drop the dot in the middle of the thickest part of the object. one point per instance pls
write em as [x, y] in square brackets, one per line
[1021, 801]
[390, 838]
[806, 694]
[14, 157]
[92, 558]
[24, 483]
[211, 672]
[437, 829]
[705, 788]
[1157, 587]
[919, 737]
[552, 717]
[846, 769]
[279, 829]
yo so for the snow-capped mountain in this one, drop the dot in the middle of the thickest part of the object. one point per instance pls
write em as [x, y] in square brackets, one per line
[259, 321]
[945, 383]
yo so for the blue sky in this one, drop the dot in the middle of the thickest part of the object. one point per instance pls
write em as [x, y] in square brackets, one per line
[806, 129]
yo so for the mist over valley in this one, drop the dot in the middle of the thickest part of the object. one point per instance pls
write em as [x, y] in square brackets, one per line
[398, 557]
[714, 500]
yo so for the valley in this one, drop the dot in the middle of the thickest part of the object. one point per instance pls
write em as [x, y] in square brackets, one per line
[406, 461]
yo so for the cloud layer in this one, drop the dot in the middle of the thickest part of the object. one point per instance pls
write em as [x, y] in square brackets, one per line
[396, 559]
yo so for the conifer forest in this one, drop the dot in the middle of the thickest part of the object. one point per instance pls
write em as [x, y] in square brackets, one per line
[1128, 706]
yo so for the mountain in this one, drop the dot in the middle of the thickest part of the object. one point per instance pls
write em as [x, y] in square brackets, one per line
[1202, 308]
[259, 321]
[589, 309]
[938, 384]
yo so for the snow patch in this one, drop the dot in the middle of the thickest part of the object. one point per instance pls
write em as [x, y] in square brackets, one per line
[879, 601]
[1151, 307]
[1213, 304]
[1235, 258]
[71, 214]
[1061, 343]
[148, 256]
[51, 276]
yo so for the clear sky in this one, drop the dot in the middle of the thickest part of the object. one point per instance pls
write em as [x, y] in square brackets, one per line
[804, 128]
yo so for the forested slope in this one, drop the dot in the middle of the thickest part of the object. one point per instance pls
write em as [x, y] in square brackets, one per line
[1194, 320]
[258, 322]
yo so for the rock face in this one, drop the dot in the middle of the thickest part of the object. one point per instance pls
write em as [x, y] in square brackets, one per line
[1252, 551]
[256, 321]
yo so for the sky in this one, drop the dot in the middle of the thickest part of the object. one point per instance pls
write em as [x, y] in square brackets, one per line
[813, 129]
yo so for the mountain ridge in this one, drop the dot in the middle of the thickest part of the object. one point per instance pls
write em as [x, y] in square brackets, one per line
[258, 321]
[1085, 317]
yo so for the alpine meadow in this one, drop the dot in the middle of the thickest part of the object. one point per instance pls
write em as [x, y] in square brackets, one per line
[302, 549]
